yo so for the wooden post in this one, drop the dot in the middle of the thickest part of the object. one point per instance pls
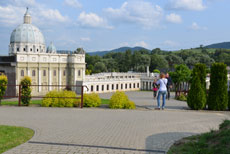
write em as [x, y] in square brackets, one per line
[82, 96]
[19, 96]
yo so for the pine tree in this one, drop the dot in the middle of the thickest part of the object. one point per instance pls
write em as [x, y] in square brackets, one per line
[196, 97]
[218, 95]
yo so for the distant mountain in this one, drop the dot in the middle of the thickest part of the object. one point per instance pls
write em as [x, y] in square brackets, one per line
[223, 45]
[121, 49]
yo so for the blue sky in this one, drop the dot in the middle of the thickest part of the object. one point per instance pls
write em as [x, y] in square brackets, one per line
[108, 24]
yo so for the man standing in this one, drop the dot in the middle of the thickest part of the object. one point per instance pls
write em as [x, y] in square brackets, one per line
[169, 85]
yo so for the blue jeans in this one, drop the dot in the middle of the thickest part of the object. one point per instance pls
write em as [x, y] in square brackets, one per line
[163, 93]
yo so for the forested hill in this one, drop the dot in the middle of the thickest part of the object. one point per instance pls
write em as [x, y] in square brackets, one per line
[122, 49]
[223, 45]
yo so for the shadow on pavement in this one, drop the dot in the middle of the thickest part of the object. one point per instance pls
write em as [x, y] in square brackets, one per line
[162, 142]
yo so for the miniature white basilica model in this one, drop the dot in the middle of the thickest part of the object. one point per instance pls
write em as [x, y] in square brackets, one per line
[28, 56]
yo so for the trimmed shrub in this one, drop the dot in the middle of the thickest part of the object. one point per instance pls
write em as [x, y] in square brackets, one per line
[218, 95]
[182, 97]
[229, 100]
[26, 90]
[156, 71]
[120, 100]
[58, 101]
[196, 97]
[200, 70]
[91, 100]
[130, 105]
[3, 86]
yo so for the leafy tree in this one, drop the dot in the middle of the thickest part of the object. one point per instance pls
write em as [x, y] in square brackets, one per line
[158, 62]
[196, 97]
[3, 86]
[26, 90]
[99, 67]
[218, 95]
[173, 60]
[191, 61]
[181, 75]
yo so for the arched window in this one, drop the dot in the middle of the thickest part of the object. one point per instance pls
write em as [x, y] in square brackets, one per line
[33, 73]
[22, 72]
[79, 72]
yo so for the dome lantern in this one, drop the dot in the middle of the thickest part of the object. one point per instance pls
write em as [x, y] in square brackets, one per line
[27, 17]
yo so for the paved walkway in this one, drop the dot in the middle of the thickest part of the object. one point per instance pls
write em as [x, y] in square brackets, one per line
[73, 130]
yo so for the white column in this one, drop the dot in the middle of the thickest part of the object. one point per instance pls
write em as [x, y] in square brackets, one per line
[39, 79]
[28, 71]
[50, 79]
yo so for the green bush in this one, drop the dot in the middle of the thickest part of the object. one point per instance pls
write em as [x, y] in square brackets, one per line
[218, 95]
[60, 99]
[130, 105]
[182, 97]
[196, 97]
[120, 100]
[156, 71]
[229, 100]
[26, 90]
[3, 86]
[200, 70]
[91, 100]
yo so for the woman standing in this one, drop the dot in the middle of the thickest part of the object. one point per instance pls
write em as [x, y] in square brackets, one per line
[162, 91]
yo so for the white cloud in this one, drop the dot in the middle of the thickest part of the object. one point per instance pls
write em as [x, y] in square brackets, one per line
[141, 44]
[12, 13]
[92, 20]
[195, 5]
[195, 26]
[73, 3]
[170, 43]
[52, 15]
[174, 18]
[136, 12]
[85, 39]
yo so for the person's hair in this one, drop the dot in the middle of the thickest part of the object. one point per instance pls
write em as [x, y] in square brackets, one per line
[162, 75]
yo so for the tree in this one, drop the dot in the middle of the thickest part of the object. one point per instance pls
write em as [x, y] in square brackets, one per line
[156, 71]
[26, 90]
[197, 93]
[3, 86]
[196, 97]
[158, 62]
[218, 95]
[173, 60]
[190, 62]
[200, 71]
[99, 67]
[180, 76]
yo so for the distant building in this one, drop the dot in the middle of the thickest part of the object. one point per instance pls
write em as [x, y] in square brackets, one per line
[28, 56]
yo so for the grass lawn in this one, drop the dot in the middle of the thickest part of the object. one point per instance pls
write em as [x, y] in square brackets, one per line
[11, 136]
[39, 102]
[15, 103]
[104, 101]
[212, 142]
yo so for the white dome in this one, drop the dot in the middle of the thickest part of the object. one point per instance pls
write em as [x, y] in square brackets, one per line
[51, 48]
[27, 33]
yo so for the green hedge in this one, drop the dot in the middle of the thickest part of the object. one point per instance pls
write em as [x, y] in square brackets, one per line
[91, 100]
[120, 100]
[218, 95]
[3, 86]
[26, 90]
[229, 100]
[72, 101]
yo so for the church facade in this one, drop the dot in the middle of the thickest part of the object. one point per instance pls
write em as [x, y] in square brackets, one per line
[28, 56]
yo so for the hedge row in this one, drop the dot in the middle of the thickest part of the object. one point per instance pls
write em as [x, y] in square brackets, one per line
[59, 100]
[218, 97]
